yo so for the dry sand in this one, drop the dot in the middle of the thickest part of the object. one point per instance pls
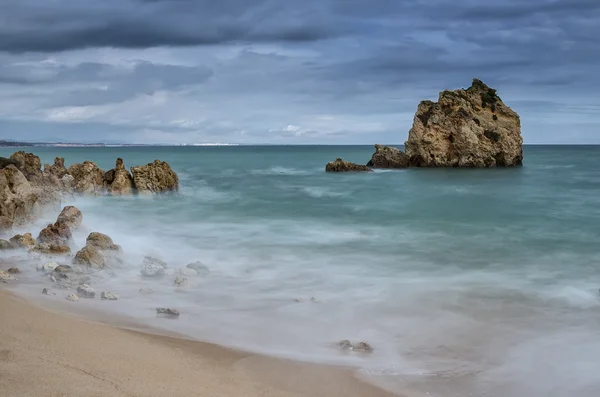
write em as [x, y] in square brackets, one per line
[48, 354]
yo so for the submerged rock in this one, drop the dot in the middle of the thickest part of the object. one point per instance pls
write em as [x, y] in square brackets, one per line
[70, 216]
[90, 257]
[73, 297]
[388, 157]
[340, 165]
[85, 291]
[109, 295]
[167, 311]
[102, 242]
[465, 128]
[118, 181]
[152, 269]
[156, 177]
[88, 178]
[23, 241]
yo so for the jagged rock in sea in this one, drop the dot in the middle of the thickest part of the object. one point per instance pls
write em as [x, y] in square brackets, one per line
[388, 157]
[23, 241]
[57, 169]
[55, 234]
[154, 177]
[118, 181]
[89, 256]
[88, 178]
[465, 128]
[102, 242]
[29, 164]
[70, 216]
[340, 165]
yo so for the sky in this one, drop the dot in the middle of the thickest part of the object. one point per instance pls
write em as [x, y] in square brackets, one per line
[289, 72]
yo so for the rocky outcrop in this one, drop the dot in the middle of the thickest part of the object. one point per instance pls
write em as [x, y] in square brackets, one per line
[57, 169]
[23, 241]
[88, 178]
[102, 242]
[19, 201]
[56, 234]
[340, 165]
[388, 157]
[71, 217]
[30, 165]
[4, 162]
[156, 177]
[465, 128]
[118, 181]
[89, 256]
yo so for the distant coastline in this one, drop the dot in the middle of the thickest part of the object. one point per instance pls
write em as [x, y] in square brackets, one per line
[5, 143]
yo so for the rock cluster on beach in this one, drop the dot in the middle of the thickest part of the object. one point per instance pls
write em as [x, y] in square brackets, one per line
[466, 128]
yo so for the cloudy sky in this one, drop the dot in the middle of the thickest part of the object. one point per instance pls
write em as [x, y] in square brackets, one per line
[285, 71]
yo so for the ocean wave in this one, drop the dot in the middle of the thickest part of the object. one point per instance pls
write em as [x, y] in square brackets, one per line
[318, 192]
[280, 171]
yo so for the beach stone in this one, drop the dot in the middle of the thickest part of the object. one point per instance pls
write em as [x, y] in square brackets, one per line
[63, 269]
[199, 267]
[85, 291]
[88, 178]
[340, 165]
[109, 295]
[346, 345]
[50, 249]
[90, 257]
[152, 269]
[6, 245]
[465, 128]
[13, 270]
[57, 234]
[102, 242]
[156, 177]
[73, 297]
[118, 181]
[388, 157]
[146, 291]
[363, 346]
[70, 216]
[5, 276]
[23, 241]
[167, 311]
[180, 281]
[47, 267]
[46, 291]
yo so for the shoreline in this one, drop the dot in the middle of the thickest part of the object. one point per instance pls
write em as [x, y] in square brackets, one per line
[45, 352]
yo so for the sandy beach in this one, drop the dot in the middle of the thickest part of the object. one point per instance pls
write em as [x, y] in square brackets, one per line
[43, 353]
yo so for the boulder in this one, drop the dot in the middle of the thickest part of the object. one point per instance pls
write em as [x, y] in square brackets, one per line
[29, 164]
[85, 291]
[109, 295]
[465, 128]
[5, 276]
[340, 165]
[47, 291]
[152, 269]
[57, 234]
[118, 181]
[13, 270]
[102, 242]
[154, 177]
[88, 178]
[73, 297]
[70, 216]
[6, 245]
[388, 157]
[199, 267]
[57, 169]
[23, 241]
[89, 256]
[50, 249]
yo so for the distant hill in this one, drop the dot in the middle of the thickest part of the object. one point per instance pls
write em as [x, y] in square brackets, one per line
[4, 143]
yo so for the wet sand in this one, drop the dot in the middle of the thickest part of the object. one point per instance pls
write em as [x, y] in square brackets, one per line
[43, 353]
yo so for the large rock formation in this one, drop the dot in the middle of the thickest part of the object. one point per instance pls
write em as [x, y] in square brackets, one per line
[29, 164]
[19, 201]
[88, 178]
[465, 128]
[340, 165]
[155, 177]
[118, 181]
[388, 157]
[57, 169]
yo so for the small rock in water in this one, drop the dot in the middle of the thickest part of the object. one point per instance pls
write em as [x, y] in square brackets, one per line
[152, 269]
[73, 298]
[186, 271]
[146, 291]
[85, 291]
[5, 276]
[199, 267]
[13, 270]
[47, 267]
[167, 311]
[62, 269]
[346, 345]
[109, 295]
[300, 300]
[46, 291]
[152, 259]
[180, 281]
[361, 346]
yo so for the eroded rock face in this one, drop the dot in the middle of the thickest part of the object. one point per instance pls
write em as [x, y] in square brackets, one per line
[88, 178]
[388, 157]
[50, 249]
[23, 241]
[465, 128]
[118, 181]
[155, 177]
[57, 169]
[29, 164]
[89, 256]
[71, 217]
[340, 165]
[102, 242]
[57, 234]
[19, 201]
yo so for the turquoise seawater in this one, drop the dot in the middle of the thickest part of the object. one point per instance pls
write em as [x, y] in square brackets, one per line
[465, 281]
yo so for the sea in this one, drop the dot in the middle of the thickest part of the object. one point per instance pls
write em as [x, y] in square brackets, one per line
[466, 282]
